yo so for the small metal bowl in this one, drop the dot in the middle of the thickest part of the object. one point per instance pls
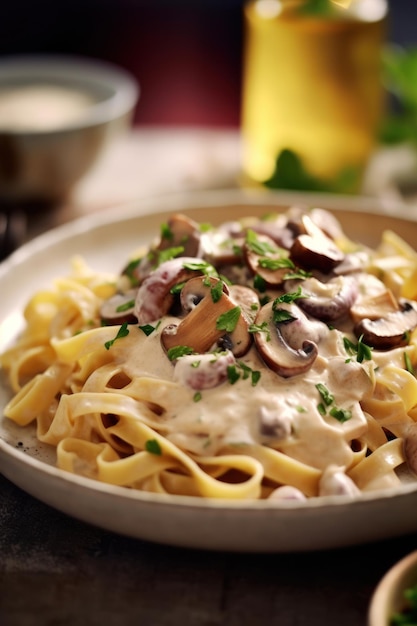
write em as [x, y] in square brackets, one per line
[43, 163]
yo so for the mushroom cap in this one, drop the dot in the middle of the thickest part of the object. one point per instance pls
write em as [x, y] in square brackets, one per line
[200, 329]
[390, 331]
[119, 308]
[314, 249]
[331, 300]
[274, 346]
[154, 298]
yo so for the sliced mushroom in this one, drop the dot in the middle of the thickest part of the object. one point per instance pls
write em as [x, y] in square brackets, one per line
[247, 299]
[200, 329]
[277, 229]
[223, 245]
[328, 301]
[203, 371]
[182, 231]
[390, 331]
[314, 249]
[267, 252]
[282, 345]
[374, 307]
[119, 309]
[154, 298]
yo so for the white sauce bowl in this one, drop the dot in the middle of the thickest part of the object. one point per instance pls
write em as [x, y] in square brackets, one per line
[56, 114]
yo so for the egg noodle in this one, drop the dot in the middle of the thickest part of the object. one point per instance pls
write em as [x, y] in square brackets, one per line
[266, 358]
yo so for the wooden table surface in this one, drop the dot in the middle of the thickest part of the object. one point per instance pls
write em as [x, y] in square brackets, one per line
[57, 571]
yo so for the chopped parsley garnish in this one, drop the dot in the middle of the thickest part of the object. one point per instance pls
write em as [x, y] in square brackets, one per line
[130, 270]
[176, 288]
[197, 396]
[148, 328]
[169, 253]
[408, 364]
[228, 321]
[216, 291]
[152, 446]
[241, 370]
[233, 374]
[281, 316]
[125, 306]
[327, 397]
[166, 232]
[290, 297]
[201, 266]
[259, 247]
[360, 349]
[260, 328]
[122, 332]
[177, 351]
[297, 274]
[275, 264]
[259, 283]
[327, 404]
[342, 415]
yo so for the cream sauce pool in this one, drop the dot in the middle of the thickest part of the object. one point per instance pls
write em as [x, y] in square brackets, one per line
[233, 414]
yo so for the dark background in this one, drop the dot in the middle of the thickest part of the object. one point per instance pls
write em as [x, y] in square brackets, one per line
[186, 54]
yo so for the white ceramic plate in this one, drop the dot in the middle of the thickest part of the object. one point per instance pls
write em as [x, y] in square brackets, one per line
[105, 240]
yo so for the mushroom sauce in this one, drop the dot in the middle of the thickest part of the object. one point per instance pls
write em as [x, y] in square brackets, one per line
[266, 358]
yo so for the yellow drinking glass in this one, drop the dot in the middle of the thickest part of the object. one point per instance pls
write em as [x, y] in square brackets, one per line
[312, 85]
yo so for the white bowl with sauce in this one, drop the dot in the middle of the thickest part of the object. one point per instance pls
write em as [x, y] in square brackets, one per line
[56, 114]
[388, 598]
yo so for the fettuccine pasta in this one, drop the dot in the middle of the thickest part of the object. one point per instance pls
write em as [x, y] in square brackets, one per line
[265, 358]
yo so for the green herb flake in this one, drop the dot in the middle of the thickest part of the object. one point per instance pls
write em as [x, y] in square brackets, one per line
[364, 351]
[342, 415]
[166, 232]
[152, 446]
[257, 246]
[275, 264]
[122, 332]
[130, 271]
[201, 266]
[232, 374]
[169, 253]
[216, 291]
[360, 349]
[261, 328]
[125, 306]
[326, 396]
[281, 316]
[259, 283]
[255, 377]
[408, 364]
[289, 297]
[178, 351]
[176, 288]
[228, 321]
[321, 408]
[148, 329]
[197, 396]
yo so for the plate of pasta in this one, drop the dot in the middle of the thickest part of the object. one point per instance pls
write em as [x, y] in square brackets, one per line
[226, 370]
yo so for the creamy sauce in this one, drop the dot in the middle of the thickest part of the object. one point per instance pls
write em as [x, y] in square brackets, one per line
[41, 107]
[230, 414]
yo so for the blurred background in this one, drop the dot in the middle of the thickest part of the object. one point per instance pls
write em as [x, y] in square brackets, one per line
[186, 54]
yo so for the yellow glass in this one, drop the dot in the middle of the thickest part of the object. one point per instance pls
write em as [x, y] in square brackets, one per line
[312, 84]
